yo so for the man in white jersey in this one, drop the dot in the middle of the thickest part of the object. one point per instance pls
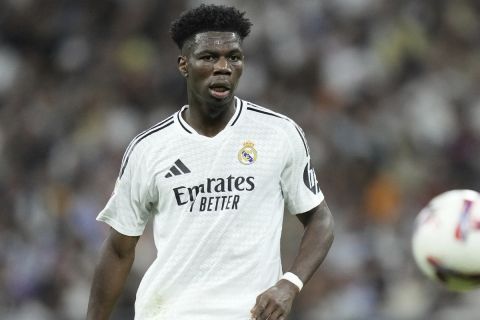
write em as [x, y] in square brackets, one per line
[214, 177]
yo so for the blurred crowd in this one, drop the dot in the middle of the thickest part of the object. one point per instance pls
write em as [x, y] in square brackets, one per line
[388, 93]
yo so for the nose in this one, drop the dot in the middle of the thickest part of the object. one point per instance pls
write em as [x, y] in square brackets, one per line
[222, 66]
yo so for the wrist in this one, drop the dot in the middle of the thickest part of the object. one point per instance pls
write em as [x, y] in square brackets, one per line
[293, 279]
[288, 287]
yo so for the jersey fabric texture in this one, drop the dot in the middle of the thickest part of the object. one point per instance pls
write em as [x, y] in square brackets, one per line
[217, 205]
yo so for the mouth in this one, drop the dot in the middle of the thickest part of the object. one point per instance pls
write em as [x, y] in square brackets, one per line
[220, 90]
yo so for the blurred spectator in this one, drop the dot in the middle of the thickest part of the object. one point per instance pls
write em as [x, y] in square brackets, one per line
[387, 93]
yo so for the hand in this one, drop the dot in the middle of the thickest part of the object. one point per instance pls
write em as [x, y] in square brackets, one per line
[276, 302]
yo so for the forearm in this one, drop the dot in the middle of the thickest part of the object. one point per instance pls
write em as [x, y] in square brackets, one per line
[315, 244]
[108, 281]
[275, 303]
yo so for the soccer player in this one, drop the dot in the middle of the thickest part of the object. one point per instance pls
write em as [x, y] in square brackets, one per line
[215, 177]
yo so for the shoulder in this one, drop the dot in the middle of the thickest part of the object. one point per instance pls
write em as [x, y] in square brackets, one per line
[267, 116]
[155, 133]
[281, 122]
[142, 141]
[255, 110]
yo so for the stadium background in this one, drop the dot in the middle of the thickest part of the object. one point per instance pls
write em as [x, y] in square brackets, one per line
[387, 92]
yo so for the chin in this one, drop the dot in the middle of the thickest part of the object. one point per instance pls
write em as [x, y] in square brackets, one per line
[220, 102]
[216, 107]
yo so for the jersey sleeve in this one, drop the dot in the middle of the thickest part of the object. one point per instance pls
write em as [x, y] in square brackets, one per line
[298, 180]
[129, 207]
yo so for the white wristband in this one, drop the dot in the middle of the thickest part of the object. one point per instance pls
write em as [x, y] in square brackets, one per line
[293, 279]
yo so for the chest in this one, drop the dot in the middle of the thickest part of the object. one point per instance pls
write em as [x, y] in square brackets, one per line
[236, 164]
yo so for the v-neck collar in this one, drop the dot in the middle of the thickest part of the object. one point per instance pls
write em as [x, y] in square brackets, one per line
[193, 133]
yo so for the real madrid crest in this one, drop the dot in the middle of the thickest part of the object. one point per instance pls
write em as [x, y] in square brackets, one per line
[247, 155]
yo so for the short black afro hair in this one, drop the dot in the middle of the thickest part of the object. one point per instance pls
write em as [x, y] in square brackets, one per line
[209, 18]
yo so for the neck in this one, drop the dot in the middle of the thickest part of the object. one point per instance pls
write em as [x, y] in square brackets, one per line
[209, 120]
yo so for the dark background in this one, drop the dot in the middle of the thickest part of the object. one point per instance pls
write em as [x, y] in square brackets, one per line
[386, 91]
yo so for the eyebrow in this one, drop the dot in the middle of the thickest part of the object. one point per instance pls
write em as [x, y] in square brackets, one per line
[211, 51]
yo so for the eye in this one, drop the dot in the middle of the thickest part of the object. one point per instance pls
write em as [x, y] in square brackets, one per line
[208, 58]
[235, 58]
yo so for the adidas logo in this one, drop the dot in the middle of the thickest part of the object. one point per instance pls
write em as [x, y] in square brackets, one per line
[178, 169]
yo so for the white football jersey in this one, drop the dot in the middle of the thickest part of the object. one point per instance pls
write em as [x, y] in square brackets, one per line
[217, 205]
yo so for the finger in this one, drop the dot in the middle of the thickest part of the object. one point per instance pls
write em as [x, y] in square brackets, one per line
[257, 310]
[276, 315]
[267, 311]
[270, 309]
[264, 309]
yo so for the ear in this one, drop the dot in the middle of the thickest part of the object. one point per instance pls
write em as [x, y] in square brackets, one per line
[182, 65]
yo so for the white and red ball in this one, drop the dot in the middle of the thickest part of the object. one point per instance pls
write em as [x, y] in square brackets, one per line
[446, 240]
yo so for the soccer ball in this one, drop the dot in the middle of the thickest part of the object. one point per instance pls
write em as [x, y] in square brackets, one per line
[446, 240]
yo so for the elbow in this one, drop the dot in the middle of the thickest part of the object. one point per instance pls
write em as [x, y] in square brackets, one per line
[329, 229]
[326, 226]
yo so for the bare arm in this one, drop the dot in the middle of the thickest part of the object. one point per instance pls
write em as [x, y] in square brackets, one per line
[276, 302]
[316, 242]
[117, 255]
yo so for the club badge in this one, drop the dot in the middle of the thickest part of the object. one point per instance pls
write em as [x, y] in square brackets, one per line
[247, 155]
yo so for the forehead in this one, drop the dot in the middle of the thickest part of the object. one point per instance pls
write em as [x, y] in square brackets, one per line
[216, 40]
